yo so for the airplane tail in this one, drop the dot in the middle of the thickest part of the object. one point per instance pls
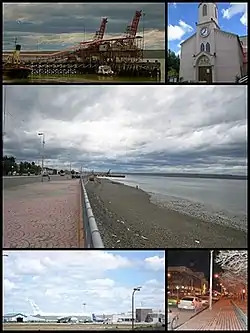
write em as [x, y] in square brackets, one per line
[93, 317]
[35, 308]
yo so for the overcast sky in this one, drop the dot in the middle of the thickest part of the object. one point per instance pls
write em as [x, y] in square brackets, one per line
[53, 26]
[130, 128]
[59, 282]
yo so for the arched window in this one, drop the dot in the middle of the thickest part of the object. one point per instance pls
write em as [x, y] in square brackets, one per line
[204, 10]
[202, 47]
[208, 47]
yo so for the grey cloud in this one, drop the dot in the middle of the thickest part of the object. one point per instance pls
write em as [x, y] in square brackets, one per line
[26, 20]
[130, 127]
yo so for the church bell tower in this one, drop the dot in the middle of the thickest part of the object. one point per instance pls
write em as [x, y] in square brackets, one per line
[208, 13]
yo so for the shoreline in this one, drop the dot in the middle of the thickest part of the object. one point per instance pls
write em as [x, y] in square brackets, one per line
[126, 217]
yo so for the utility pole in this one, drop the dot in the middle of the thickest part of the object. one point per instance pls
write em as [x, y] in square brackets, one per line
[211, 280]
[4, 109]
[43, 143]
[133, 304]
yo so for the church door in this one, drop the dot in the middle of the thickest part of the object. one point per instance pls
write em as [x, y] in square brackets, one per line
[205, 74]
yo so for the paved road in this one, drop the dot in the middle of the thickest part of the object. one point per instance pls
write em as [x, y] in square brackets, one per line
[12, 181]
[222, 317]
[42, 215]
[184, 315]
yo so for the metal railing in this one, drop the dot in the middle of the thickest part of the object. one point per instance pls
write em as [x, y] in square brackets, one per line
[242, 317]
[92, 237]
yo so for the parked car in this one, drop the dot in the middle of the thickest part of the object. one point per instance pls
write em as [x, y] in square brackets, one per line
[172, 320]
[204, 300]
[105, 70]
[172, 301]
[190, 303]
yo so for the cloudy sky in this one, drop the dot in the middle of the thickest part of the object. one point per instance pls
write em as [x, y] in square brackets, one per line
[59, 282]
[53, 26]
[130, 128]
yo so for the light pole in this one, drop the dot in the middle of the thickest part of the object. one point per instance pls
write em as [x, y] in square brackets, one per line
[211, 280]
[43, 143]
[4, 108]
[69, 166]
[84, 306]
[133, 304]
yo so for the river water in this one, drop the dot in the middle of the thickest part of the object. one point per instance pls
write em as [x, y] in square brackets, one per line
[87, 78]
[220, 201]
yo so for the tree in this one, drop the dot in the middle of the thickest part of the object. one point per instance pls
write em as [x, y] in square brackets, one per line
[173, 64]
[234, 261]
[8, 164]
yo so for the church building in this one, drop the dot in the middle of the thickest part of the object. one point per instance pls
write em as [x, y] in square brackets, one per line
[212, 55]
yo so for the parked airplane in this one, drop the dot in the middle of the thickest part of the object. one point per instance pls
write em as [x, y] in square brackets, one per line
[60, 317]
[99, 320]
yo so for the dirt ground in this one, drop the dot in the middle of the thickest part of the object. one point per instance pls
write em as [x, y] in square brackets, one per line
[61, 327]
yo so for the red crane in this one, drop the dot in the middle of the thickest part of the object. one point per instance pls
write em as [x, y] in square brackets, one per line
[100, 33]
[132, 29]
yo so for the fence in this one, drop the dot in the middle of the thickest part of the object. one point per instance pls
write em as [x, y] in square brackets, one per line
[242, 317]
[92, 237]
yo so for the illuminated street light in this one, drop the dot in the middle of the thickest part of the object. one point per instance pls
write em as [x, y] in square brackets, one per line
[169, 275]
[216, 276]
[211, 280]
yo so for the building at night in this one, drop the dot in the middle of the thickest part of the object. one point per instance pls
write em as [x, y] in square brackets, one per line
[183, 281]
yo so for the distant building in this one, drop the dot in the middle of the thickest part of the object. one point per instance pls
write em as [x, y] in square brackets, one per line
[20, 318]
[183, 281]
[142, 315]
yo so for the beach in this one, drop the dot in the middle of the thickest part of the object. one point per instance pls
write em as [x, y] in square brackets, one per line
[127, 218]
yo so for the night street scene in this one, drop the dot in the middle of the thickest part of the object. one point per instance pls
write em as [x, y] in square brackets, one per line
[207, 290]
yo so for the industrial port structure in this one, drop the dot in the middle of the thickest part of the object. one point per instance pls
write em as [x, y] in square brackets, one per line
[123, 54]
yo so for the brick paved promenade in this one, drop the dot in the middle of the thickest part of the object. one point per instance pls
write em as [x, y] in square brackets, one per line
[221, 318]
[42, 215]
[242, 305]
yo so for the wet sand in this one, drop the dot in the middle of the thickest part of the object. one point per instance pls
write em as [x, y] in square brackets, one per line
[127, 219]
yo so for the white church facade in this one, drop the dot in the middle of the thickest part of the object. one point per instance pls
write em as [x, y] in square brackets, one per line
[211, 55]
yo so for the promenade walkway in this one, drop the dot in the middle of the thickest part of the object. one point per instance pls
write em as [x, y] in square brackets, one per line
[221, 318]
[242, 305]
[42, 215]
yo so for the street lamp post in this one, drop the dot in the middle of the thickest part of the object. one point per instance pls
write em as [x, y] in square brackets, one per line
[4, 109]
[133, 304]
[211, 280]
[69, 166]
[43, 143]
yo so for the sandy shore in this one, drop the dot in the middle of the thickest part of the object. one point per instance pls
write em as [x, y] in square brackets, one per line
[127, 219]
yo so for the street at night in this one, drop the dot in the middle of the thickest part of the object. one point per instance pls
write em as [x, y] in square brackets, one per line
[207, 290]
